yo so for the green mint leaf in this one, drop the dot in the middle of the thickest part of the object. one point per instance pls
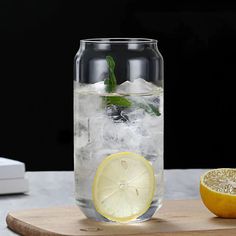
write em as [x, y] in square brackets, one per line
[110, 87]
[155, 110]
[147, 107]
[111, 63]
[110, 82]
[117, 101]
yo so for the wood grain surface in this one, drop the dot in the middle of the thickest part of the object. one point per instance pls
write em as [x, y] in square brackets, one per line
[176, 217]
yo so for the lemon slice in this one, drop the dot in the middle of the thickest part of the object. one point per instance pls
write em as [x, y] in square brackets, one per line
[218, 192]
[123, 187]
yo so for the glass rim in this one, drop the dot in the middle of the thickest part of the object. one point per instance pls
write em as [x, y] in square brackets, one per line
[119, 40]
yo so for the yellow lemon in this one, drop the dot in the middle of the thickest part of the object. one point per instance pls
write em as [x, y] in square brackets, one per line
[218, 192]
[123, 187]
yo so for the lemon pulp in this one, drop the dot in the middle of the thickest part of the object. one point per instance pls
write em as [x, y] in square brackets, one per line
[123, 186]
[218, 192]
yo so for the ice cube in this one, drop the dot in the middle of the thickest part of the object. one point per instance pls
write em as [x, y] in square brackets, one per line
[97, 88]
[119, 135]
[88, 105]
[109, 133]
[134, 115]
[127, 136]
[138, 86]
[116, 113]
[80, 133]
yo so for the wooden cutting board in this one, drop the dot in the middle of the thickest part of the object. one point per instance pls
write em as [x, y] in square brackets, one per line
[185, 217]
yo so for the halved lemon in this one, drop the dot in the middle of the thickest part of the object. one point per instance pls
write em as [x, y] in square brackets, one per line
[218, 192]
[123, 187]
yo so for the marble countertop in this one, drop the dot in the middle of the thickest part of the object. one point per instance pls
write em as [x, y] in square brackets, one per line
[56, 188]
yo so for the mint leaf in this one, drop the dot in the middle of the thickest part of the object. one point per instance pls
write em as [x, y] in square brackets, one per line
[110, 87]
[110, 82]
[147, 107]
[111, 63]
[117, 101]
[155, 110]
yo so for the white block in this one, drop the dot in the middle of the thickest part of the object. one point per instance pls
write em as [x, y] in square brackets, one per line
[19, 185]
[11, 169]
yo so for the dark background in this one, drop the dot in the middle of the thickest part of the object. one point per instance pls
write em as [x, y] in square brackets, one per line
[38, 41]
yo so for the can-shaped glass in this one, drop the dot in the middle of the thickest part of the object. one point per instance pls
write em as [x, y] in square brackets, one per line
[118, 129]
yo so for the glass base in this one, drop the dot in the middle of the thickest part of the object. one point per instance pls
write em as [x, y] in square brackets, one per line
[89, 211]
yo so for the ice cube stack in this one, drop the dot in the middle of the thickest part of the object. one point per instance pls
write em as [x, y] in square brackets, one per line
[12, 178]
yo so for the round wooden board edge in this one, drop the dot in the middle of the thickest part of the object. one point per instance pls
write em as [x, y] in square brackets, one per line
[23, 228]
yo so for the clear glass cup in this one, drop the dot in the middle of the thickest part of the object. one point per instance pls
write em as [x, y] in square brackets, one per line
[118, 109]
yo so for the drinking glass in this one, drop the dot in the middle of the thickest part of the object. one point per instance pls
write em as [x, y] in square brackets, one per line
[118, 128]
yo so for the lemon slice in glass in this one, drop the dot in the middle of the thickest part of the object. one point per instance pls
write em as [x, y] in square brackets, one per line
[123, 187]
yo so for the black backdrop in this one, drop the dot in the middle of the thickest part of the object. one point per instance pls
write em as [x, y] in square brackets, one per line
[39, 39]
